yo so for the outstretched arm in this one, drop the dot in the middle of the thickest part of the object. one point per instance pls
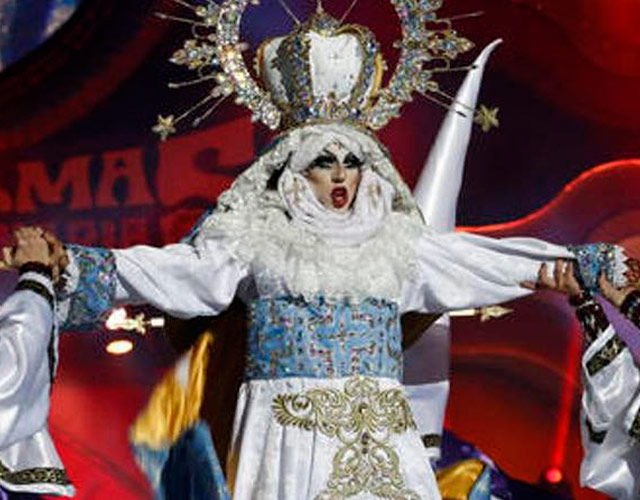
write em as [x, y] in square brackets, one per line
[461, 271]
[179, 279]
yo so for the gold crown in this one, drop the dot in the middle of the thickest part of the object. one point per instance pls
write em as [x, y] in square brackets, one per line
[324, 70]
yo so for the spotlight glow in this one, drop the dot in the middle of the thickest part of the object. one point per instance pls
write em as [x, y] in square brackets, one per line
[116, 319]
[119, 347]
[553, 475]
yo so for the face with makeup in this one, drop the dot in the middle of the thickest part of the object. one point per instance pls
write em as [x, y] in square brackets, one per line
[334, 177]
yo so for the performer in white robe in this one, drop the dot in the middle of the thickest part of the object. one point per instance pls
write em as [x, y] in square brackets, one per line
[322, 413]
[610, 413]
[28, 350]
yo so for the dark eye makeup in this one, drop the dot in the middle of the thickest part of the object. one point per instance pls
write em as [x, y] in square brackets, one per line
[352, 161]
[327, 160]
[324, 160]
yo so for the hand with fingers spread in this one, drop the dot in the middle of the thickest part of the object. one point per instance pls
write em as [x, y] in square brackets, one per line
[563, 279]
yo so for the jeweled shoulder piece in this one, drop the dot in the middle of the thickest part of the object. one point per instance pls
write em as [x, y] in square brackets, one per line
[324, 70]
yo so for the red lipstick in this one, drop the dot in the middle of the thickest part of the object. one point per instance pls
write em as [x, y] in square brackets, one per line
[339, 197]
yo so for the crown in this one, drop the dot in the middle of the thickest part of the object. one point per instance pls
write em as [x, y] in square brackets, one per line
[324, 70]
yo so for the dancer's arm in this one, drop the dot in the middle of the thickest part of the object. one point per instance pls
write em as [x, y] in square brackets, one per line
[26, 336]
[460, 271]
[179, 279]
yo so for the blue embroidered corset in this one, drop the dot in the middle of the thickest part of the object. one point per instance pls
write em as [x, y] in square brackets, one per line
[292, 337]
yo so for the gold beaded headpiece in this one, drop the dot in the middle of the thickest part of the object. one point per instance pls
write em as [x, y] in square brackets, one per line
[322, 71]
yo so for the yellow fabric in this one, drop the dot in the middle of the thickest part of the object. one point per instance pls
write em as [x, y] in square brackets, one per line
[456, 482]
[172, 409]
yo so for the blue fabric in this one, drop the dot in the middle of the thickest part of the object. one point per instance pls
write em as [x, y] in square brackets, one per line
[481, 490]
[292, 337]
[455, 450]
[499, 484]
[96, 288]
[594, 259]
[151, 462]
[188, 470]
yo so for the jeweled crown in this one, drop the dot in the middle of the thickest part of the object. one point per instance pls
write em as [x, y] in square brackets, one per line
[322, 71]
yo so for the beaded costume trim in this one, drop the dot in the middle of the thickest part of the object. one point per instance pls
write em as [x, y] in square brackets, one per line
[362, 417]
[591, 317]
[606, 355]
[596, 258]
[432, 440]
[631, 307]
[96, 269]
[36, 475]
[213, 53]
[292, 61]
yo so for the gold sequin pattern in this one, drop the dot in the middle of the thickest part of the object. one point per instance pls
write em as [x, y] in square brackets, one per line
[606, 355]
[36, 475]
[362, 417]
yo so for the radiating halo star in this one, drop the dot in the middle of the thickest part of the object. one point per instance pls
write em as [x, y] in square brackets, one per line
[165, 126]
[487, 118]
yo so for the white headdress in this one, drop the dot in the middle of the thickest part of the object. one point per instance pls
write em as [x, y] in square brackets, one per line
[253, 191]
[324, 70]
[320, 82]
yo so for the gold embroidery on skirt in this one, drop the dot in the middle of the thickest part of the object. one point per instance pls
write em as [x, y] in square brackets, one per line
[362, 417]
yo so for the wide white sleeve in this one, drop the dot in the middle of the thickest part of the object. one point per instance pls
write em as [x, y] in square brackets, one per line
[179, 279]
[610, 418]
[461, 271]
[26, 329]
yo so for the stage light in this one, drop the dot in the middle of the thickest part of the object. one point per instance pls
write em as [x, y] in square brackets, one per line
[553, 475]
[119, 347]
[119, 319]
[116, 319]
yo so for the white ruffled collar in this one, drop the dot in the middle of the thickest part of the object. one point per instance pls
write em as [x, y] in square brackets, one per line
[371, 206]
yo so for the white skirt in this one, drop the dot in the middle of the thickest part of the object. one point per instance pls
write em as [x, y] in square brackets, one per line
[316, 438]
